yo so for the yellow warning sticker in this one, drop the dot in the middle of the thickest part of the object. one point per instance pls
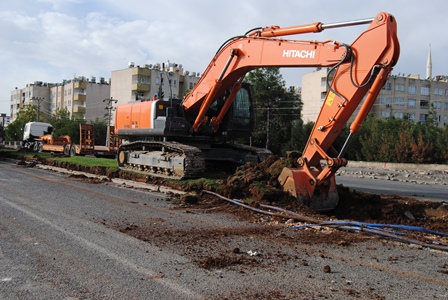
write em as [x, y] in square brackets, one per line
[330, 98]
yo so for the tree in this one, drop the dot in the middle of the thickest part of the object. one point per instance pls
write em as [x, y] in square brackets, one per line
[398, 140]
[64, 125]
[100, 131]
[14, 131]
[276, 110]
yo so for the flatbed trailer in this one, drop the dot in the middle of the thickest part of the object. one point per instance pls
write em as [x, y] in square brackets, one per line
[86, 146]
[87, 143]
[53, 144]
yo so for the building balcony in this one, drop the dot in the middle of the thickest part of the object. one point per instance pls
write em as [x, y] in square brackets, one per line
[79, 97]
[79, 109]
[140, 87]
[141, 71]
[80, 85]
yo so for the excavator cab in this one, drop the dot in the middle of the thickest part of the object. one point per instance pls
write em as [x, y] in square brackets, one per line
[239, 121]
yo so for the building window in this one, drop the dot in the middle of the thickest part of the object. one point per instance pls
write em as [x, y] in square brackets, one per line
[412, 102]
[437, 104]
[412, 89]
[323, 95]
[399, 87]
[323, 81]
[424, 90]
[423, 117]
[385, 115]
[411, 117]
[398, 115]
[424, 104]
[446, 105]
[143, 79]
[445, 120]
[385, 100]
[446, 93]
[399, 101]
[386, 86]
[438, 91]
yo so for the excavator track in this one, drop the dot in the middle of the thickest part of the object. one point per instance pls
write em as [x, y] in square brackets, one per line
[162, 159]
[261, 153]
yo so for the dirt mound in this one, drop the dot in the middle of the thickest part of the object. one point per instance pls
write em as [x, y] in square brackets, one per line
[257, 182]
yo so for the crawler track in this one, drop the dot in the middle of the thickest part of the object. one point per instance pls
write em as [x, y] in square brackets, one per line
[162, 159]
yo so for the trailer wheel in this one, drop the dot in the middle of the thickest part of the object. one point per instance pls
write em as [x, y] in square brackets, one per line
[39, 147]
[72, 150]
[67, 149]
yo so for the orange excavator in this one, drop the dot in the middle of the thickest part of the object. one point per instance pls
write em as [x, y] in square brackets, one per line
[174, 138]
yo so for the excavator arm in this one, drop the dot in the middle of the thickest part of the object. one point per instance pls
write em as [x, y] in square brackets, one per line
[360, 70]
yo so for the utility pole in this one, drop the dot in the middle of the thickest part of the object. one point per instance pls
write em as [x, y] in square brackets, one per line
[110, 108]
[38, 99]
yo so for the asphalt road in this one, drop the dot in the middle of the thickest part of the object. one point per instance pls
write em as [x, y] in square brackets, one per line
[60, 239]
[428, 192]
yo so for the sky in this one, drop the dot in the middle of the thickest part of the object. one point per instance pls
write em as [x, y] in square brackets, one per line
[53, 40]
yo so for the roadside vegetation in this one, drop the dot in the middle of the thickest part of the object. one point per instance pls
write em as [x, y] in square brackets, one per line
[88, 161]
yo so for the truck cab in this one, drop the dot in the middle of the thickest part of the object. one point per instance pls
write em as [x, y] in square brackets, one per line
[34, 130]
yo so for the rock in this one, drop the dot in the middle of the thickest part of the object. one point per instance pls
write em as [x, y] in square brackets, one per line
[409, 215]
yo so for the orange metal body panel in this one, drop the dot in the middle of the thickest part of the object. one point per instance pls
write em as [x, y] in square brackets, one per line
[134, 115]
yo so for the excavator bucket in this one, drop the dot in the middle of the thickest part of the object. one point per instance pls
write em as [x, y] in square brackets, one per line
[322, 197]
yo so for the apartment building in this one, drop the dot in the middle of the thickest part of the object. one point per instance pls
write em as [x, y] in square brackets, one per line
[83, 97]
[4, 120]
[87, 98]
[37, 93]
[140, 83]
[401, 97]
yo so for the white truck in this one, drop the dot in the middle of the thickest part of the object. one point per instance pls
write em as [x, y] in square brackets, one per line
[33, 131]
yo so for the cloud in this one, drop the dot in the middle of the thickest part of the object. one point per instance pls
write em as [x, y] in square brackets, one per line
[52, 40]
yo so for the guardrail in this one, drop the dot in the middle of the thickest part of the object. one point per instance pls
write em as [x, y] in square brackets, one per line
[12, 145]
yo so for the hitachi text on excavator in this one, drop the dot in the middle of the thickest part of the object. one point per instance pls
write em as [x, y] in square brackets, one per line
[174, 138]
